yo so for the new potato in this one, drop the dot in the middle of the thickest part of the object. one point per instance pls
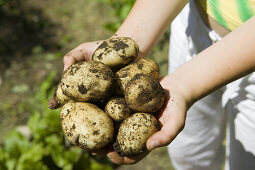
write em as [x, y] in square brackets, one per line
[117, 109]
[142, 66]
[144, 94]
[88, 81]
[60, 97]
[86, 125]
[134, 132]
[116, 52]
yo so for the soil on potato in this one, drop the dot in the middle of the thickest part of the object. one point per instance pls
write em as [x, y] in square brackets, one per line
[34, 36]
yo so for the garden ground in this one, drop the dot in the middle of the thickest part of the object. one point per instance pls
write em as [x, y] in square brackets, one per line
[34, 36]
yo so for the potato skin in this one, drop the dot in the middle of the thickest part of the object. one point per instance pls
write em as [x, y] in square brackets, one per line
[144, 94]
[60, 97]
[86, 125]
[88, 81]
[134, 132]
[116, 52]
[117, 109]
[142, 66]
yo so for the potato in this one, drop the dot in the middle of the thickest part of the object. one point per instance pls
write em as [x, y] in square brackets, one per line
[60, 97]
[134, 132]
[117, 109]
[88, 81]
[142, 66]
[144, 94]
[116, 52]
[86, 125]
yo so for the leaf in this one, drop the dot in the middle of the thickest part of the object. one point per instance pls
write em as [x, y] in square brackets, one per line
[112, 26]
[53, 119]
[11, 164]
[42, 95]
[63, 157]
[45, 125]
[74, 154]
[32, 158]
[97, 166]
[125, 10]
[15, 144]
[38, 126]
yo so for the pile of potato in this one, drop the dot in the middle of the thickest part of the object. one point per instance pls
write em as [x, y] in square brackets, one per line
[111, 99]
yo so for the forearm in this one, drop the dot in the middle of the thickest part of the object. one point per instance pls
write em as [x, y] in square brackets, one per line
[223, 62]
[148, 19]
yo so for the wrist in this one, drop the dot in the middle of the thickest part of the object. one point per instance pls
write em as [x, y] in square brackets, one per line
[177, 85]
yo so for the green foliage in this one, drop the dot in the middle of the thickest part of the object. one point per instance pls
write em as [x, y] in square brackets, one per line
[121, 9]
[47, 148]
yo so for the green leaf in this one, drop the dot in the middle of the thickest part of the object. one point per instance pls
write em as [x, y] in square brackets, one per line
[15, 144]
[46, 85]
[63, 157]
[53, 140]
[45, 125]
[32, 158]
[125, 10]
[112, 26]
[74, 154]
[37, 126]
[97, 166]
[11, 164]
[53, 119]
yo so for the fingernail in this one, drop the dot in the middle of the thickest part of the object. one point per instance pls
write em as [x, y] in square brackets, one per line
[153, 145]
[65, 67]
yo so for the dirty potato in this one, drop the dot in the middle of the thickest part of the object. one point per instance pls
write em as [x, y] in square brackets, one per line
[60, 97]
[87, 81]
[144, 94]
[86, 125]
[117, 109]
[116, 52]
[134, 132]
[142, 66]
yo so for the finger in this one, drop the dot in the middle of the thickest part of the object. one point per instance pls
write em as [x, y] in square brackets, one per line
[69, 59]
[171, 128]
[115, 158]
[80, 53]
[134, 159]
[77, 54]
[126, 160]
[53, 104]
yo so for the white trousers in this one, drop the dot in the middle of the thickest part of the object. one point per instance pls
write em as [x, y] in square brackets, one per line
[200, 146]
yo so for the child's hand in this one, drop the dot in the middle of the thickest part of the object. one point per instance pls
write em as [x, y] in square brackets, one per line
[81, 53]
[171, 118]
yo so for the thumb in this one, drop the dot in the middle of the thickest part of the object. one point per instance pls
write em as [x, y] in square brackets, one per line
[159, 139]
[166, 135]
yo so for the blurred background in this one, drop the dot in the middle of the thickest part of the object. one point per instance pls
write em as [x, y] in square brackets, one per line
[34, 36]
